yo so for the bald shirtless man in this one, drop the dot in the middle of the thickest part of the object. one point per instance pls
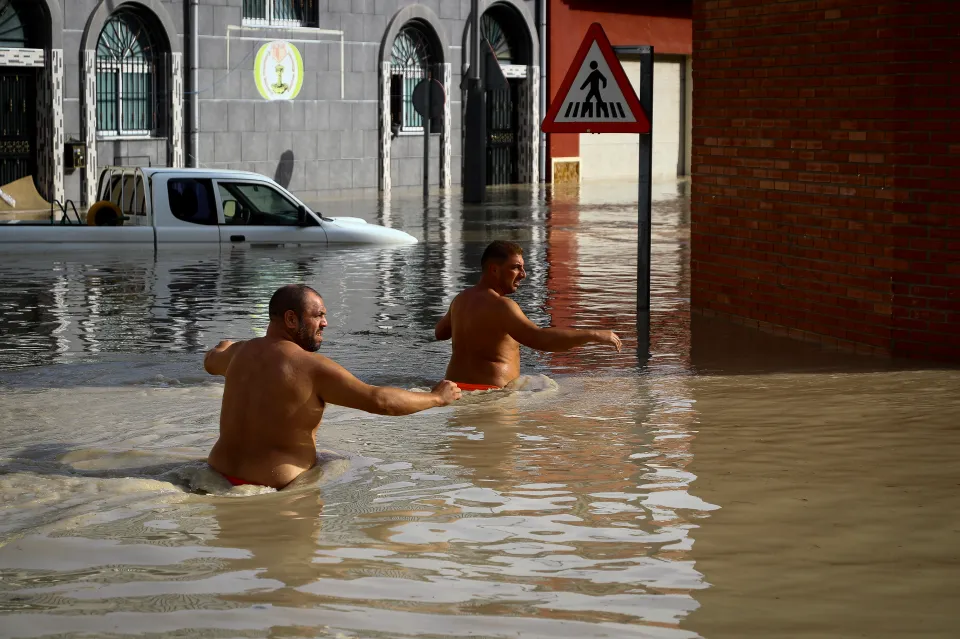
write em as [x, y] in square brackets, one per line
[277, 387]
[487, 327]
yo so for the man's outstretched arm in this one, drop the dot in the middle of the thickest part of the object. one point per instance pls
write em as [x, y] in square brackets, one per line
[444, 328]
[218, 358]
[520, 328]
[336, 385]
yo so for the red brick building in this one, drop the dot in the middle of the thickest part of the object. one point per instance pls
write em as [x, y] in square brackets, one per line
[826, 170]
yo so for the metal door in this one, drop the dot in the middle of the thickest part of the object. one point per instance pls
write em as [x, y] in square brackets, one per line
[18, 121]
[502, 124]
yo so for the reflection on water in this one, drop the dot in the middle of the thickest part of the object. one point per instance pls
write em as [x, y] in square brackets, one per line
[581, 272]
[669, 498]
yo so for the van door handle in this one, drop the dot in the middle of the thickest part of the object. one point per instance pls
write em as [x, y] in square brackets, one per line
[238, 238]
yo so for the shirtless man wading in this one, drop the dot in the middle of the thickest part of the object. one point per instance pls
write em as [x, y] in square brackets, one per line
[277, 387]
[487, 327]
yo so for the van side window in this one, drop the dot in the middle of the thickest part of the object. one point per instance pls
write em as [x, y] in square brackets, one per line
[191, 200]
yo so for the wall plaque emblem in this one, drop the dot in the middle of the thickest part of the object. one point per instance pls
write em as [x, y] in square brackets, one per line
[278, 71]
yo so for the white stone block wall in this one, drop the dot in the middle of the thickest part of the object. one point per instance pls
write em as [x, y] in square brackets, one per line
[446, 148]
[88, 114]
[175, 154]
[385, 181]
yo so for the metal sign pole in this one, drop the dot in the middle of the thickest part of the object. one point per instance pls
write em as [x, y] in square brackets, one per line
[644, 206]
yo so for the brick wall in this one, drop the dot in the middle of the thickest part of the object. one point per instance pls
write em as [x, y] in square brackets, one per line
[826, 158]
[926, 224]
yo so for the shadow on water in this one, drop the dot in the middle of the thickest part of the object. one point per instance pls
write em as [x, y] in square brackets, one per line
[720, 347]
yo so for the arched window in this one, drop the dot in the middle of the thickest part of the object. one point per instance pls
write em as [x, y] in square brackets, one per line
[411, 60]
[491, 30]
[12, 33]
[129, 78]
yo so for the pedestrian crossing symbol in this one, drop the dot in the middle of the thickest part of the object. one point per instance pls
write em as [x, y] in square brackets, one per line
[596, 96]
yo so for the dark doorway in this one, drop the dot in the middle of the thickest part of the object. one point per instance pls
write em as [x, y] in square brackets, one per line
[502, 121]
[503, 29]
[18, 123]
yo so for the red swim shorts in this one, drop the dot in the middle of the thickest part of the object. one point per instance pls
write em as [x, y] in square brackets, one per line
[236, 481]
[476, 387]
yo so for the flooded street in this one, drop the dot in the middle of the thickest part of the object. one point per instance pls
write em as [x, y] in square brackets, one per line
[734, 485]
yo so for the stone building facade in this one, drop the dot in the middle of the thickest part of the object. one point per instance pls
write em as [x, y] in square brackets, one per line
[114, 77]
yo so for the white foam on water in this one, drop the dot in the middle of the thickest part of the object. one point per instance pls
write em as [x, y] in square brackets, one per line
[70, 491]
[43, 497]
[533, 384]
[199, 477]
[524, 383]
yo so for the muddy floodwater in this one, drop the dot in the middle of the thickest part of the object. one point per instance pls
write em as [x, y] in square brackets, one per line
[735, 484]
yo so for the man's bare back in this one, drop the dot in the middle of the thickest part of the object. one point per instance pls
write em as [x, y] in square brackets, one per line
[487, 327]
[270, 414]
[276, 390]
[484, 352]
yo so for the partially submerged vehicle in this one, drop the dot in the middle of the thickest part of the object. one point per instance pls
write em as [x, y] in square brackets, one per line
[162, 206]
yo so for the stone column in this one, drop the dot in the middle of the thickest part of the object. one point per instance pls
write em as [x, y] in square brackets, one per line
[385, 181]
[386, 212]
[59, 138]
[50, 137]
[446, 147]
[533, 79]
[528, 128]
[44, 142]
[522, 128]
[175, 151]
[88, 111]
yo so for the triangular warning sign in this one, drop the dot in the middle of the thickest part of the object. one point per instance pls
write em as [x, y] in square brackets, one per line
[596, 96]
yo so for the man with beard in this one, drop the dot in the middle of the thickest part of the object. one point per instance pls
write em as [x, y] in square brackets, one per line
[487, 327]
[277, 387]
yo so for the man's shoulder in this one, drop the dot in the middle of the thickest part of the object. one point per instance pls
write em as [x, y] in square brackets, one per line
[256, 347]
[483, 295]
[293, 362]
[476, 299]
[265, 351]
[503, 303]
[317, 363]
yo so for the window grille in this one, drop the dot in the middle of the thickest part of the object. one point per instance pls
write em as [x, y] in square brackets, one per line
[12, 33]
[280, 13]
[129, 79]
[495, 34]
[410, 62]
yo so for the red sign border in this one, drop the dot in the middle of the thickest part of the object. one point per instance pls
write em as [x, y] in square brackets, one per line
[642, 125]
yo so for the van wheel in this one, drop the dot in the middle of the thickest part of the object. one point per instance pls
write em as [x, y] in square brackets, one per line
[104, 213]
